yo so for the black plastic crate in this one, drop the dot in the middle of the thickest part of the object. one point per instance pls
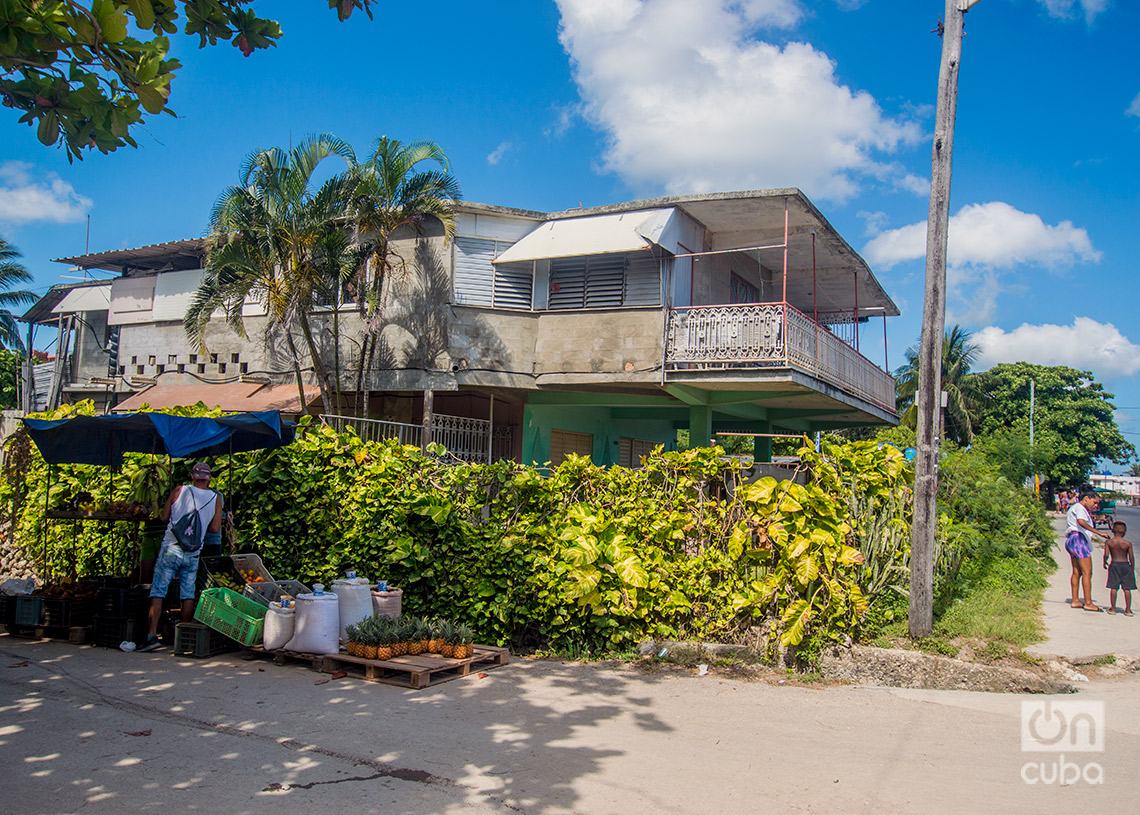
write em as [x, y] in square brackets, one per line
[29, 611]
[7, 609]
[119, 602]
[197, 640]
[67, 612]
[109, 632]
[219, 573]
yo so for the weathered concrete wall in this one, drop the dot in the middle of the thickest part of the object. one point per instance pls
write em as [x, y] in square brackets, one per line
[619, 341]
[424, 341]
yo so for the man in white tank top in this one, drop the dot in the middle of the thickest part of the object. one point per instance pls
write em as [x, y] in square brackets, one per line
[173, 561]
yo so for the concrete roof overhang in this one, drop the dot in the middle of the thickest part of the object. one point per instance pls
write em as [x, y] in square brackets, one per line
[755, 218]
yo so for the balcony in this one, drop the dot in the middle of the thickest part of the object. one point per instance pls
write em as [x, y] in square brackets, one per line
[770, 336]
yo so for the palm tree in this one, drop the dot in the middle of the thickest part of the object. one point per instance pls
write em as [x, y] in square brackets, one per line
[965, 390]
[392, 193]
[12, 272]
[272, 243]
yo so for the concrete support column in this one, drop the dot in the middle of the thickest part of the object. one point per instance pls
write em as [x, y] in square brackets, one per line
[700, 426]
[762, 445]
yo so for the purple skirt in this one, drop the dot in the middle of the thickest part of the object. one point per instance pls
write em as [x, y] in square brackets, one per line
[1077, 546]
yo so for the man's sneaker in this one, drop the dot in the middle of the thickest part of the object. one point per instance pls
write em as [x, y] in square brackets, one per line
[151, 644]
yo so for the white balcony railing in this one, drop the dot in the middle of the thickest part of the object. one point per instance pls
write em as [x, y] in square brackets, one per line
[770, 335]
[467, 439]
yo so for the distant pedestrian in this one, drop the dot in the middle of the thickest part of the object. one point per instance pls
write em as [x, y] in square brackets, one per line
[1079, 530]
[1122, 570]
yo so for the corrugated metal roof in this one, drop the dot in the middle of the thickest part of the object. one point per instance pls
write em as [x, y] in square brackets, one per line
[233, 396]
[169, 256]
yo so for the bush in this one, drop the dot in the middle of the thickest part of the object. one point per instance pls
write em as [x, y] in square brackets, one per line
[584, 558]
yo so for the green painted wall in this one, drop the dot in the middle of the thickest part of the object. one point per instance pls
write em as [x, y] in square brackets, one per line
[539, 420]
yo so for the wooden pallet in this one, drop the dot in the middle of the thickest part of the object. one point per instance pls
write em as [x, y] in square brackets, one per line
[404, 671]
[283, 657]
[416, 671]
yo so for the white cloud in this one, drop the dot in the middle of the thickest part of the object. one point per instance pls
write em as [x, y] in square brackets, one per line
[873, 222]
[1085, 345]
[1067, 9]
[496, 155]
[994, 235]
[692, 100]
[986, 239]
[1134, 108]
[25, 199]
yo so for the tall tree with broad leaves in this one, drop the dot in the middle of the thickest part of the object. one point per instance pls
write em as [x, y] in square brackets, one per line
[1072, 417]
[84, 72]
[394, 192]
[272, 241]
[965, 389]
[12, 273]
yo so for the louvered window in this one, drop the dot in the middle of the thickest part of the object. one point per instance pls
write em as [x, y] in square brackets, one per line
[632, 451]
[479, 282]
[604, 281]
[565, 442]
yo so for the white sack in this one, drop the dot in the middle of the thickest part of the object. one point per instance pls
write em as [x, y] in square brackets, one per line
[316, 624]
[280, 624]
[355, 597]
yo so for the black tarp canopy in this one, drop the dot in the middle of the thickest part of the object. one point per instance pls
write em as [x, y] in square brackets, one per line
[102, 440]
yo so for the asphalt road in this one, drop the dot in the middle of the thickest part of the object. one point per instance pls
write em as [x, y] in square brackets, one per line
[101, 731]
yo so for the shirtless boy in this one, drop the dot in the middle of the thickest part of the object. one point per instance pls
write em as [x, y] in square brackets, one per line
[1122, 572]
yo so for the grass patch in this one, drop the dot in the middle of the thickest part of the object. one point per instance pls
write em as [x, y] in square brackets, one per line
[1107, 659]
[995, 651]
[998, 601]
[936, 645]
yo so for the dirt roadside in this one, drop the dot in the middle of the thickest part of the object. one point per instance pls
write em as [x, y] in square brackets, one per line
[225, 735]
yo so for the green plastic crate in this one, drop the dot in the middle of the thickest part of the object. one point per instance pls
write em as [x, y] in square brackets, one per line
[229, 613]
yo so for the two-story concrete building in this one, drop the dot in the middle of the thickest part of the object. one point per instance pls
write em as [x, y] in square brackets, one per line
[531, 335]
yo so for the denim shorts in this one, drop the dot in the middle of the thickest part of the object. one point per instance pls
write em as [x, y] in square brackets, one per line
[172, 561]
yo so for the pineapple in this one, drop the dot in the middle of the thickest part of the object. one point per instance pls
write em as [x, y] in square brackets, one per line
[448, 647]
[412, 629]
[384, 638]
[352, 633]
[399, 643]
[371, 639]
[423, 631]
[465, 646]
[435, 637]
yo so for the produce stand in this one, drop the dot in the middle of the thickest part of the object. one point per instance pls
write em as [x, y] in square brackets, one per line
[109, 561]
[102, 441]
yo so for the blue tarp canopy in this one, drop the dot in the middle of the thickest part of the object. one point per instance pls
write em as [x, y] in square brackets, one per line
[102, 440]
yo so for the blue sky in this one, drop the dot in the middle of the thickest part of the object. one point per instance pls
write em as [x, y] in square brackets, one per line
[545, 105]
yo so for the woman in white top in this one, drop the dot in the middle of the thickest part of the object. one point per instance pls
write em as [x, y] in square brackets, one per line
[1079, 530]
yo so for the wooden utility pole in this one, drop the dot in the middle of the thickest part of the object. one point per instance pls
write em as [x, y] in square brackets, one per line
[928, 398]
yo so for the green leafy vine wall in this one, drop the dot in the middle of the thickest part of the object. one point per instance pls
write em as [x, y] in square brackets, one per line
[581, 557]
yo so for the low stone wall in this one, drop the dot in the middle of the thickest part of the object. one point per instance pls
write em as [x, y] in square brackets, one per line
[14, 560]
